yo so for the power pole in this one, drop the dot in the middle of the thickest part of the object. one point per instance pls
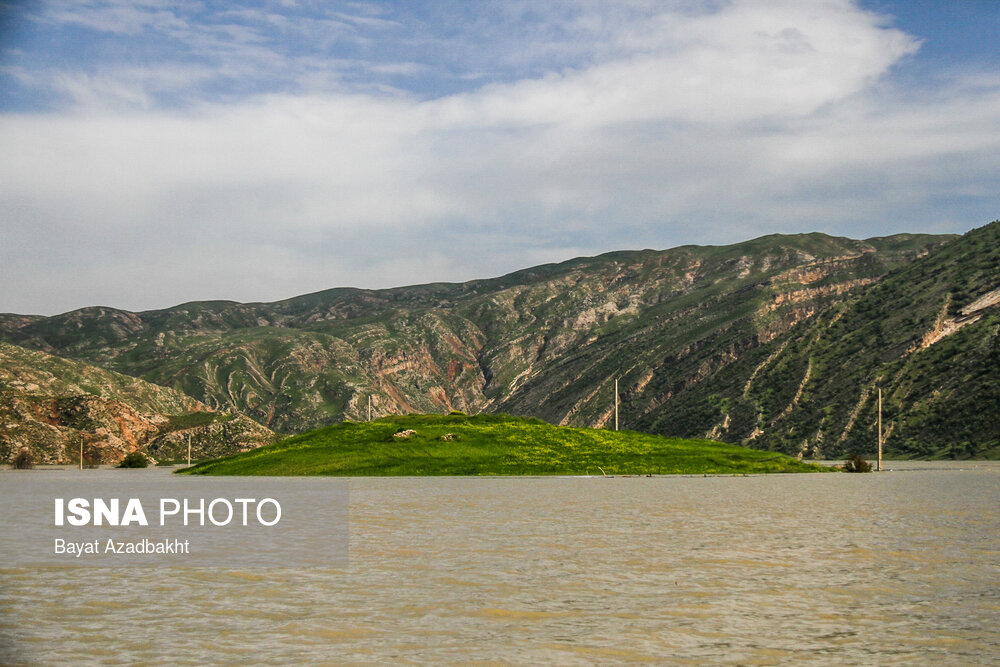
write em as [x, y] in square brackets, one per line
[616, 404]
[369, 407]
[189, 449]
[878, 462]
[81, 451]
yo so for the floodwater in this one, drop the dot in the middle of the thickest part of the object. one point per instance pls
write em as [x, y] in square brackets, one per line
[901, 567]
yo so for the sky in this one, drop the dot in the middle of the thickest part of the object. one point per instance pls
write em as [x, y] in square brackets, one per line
[154, 152]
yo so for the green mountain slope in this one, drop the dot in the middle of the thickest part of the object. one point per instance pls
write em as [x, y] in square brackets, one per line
[52, 406]
[545, 341]
[928, 334]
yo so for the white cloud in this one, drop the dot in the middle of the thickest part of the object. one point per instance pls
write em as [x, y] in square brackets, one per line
[125, 17]
[683, 127]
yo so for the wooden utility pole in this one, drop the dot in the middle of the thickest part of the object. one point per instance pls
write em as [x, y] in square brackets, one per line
[878, 462]
[369, 407]
[616, 404]
[81, 451]
[189, 449]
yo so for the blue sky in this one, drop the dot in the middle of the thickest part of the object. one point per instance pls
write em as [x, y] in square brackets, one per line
[156, 152]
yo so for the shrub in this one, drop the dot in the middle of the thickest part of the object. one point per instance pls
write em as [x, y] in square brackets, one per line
[134, 460]
[457, 413]
[24, 460]
[857, 464]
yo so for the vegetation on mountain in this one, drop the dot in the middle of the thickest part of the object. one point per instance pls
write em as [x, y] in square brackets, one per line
[779, 343]
[491, 445]
[538, 341]
[813, 390]
[53, 408]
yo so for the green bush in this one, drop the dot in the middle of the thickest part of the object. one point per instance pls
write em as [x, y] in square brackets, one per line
[134, 460]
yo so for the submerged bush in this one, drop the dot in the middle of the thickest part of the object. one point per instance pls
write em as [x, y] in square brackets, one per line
[24, 460]
[134, 460]
[857, 464]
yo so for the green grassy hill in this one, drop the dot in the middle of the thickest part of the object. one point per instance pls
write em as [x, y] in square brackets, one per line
[491, 445]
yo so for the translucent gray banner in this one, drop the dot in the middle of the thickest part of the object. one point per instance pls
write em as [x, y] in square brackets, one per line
[118, 518]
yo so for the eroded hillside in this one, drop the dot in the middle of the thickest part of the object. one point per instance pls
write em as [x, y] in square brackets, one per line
[55, 407]
[545, 341]
[928, 335]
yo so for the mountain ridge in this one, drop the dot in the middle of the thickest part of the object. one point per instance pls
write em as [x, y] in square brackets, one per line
[543, 341]
[941, 382]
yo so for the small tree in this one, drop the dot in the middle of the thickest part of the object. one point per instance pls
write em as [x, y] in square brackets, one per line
[134, 460]
[24, 460]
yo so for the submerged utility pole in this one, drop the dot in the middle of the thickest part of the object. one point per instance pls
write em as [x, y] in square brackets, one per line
[878, 462]
[616, 404]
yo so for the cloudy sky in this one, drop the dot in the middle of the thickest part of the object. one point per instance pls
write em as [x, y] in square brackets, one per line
[154, 152]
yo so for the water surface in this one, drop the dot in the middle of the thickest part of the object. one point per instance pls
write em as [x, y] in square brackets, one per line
[901, 567]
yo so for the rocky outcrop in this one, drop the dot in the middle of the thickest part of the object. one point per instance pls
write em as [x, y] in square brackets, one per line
[226, 434]
[62, 410]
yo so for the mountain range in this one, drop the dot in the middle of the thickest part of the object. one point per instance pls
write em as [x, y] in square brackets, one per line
[782, 343]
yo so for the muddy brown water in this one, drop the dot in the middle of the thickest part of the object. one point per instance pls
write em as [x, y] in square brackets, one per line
[900, 568]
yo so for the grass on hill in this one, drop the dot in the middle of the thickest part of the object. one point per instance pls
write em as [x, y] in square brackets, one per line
[491, 445]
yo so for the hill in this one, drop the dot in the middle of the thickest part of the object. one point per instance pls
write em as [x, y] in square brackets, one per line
[490, 445]
[52, 406]
[545, 341]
